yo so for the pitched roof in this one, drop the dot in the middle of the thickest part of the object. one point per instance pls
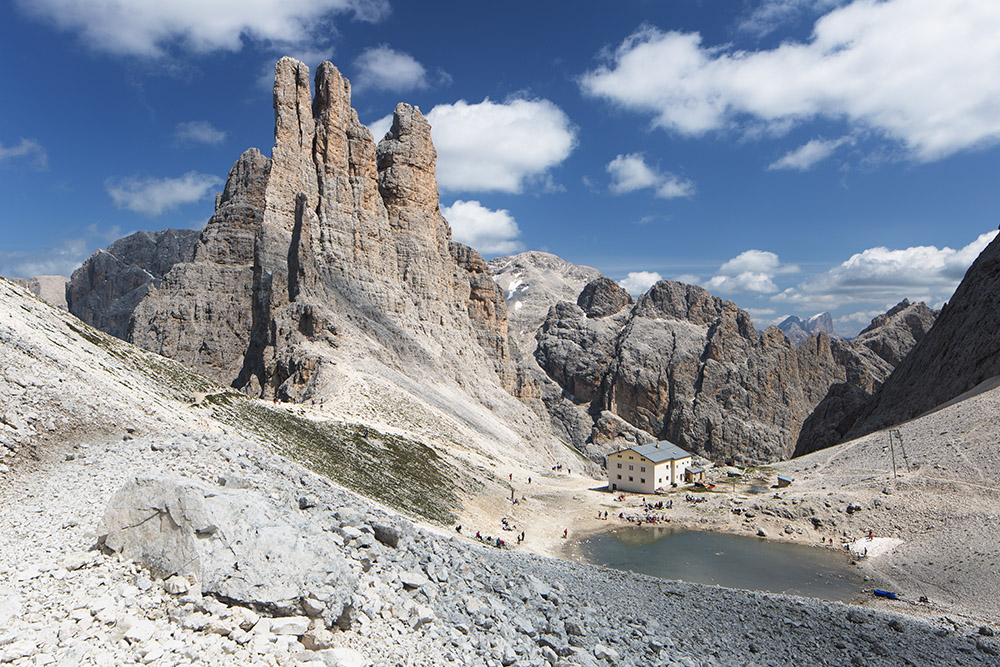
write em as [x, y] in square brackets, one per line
[661, 451]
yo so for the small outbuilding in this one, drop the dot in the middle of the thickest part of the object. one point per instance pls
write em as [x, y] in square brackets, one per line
[784, 480]
[646, 468]
[694, 474]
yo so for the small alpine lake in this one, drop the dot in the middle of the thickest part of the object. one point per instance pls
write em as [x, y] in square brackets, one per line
[722, 559]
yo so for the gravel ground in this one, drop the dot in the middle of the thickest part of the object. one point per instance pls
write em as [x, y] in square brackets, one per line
[78, 424]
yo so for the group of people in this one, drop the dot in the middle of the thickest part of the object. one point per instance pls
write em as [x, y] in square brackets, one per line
[498, 542]
[652, 519]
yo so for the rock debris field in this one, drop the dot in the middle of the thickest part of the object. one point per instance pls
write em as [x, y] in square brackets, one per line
[137, 530]
[410, 597]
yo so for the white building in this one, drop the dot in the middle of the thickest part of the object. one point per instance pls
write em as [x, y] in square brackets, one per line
[646, 468]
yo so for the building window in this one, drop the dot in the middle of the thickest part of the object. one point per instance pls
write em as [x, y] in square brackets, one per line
[630, 458]
[630, 467]
[619, 466]
[630, 479]
[642, 469]
[642, 480]
[619, 476]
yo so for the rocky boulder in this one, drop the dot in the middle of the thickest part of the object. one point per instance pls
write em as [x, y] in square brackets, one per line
[235, 545]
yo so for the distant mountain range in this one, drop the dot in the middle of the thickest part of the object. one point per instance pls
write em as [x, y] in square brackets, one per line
[798, 331]
[328, 267]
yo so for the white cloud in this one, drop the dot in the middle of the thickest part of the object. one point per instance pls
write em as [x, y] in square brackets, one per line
[488, 231]
[630, 173]
[921, 72]
[756, 260]
[379, 127]
[198, 132]
[638, 282]
[808, 154]
[750, 271]
[143, 28]
[59, 260]
[384, 68]
[27, 149]
[493, 146]
[770, 14]
[858, 320]
[688, 278]
[882, 275]
[153, 196]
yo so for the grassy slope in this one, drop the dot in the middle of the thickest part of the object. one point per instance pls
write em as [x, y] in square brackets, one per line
[400, 472]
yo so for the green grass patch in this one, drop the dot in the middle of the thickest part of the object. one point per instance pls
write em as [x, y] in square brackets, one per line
[177, 381]
[397, 471]
[402, 473]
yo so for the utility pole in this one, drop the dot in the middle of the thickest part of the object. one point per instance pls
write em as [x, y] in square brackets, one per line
[896, 437]
[892, 453]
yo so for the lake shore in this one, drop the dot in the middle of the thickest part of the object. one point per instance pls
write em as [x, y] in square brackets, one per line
[816, 511]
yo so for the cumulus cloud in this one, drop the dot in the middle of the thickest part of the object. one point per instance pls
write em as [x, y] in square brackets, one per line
[384, 68]
[883, 275]
[150, 29]
[379, 127]
[858, 320]
[639, 282]
[26, 151]
[630, 173]
[688, 278]
[198, 132]
[750, 271]
[153, 196]
[493, 146]
[918, 72]
[768, 15]
[808, 154]
[488, 231]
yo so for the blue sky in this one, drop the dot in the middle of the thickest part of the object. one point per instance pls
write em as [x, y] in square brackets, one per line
[794, 156]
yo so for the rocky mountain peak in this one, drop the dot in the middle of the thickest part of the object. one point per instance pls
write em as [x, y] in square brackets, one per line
[668, 299]
[894, 334]
[331, 254]
[407, 162]
[799, 330]
[958, 353]
[106, 289]
[51, 289]
[602, 297]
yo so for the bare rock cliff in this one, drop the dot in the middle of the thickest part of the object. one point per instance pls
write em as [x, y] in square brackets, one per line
[867, 360]
[689, 367]
[531, 282]
[51, 289]
[333, 249]
[958, 353]
[105, 290]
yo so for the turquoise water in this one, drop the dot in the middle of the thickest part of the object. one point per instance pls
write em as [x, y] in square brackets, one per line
[721, 559]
